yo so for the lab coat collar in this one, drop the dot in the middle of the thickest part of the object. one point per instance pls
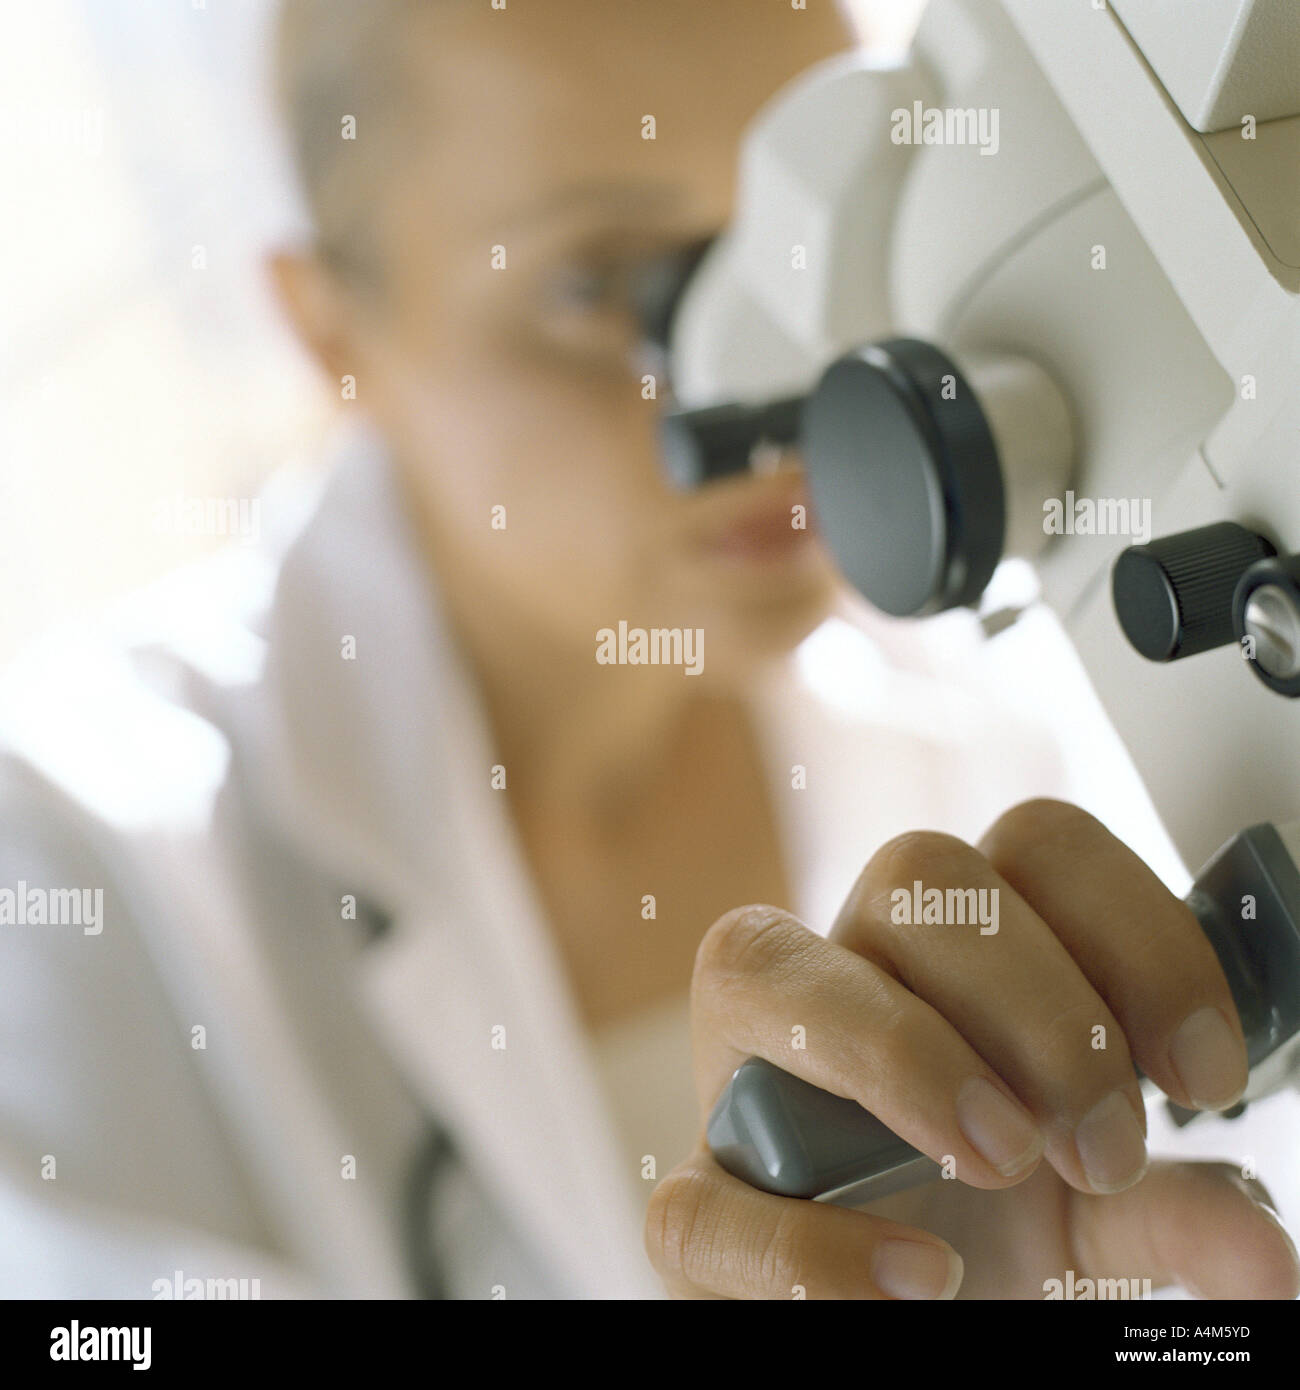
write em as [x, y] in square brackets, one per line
[374, 753]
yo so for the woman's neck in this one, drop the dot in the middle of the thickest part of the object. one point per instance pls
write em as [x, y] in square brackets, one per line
[573, 735]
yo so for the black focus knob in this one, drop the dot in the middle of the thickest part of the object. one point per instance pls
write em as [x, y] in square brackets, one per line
[922, 472]
[905, 477]
[1174, 596]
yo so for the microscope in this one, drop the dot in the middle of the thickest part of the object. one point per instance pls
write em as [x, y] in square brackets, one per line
[1034, 292]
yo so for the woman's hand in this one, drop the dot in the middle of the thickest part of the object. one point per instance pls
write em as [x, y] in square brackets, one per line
[1007, 1055]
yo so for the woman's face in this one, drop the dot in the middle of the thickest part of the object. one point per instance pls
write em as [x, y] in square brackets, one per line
[518, 386]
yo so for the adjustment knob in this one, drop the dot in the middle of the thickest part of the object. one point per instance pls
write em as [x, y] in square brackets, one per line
[1266, 613]
[924, 473]
[1174, 597]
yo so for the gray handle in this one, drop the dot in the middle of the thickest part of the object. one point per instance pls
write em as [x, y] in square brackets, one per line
[784, 1135]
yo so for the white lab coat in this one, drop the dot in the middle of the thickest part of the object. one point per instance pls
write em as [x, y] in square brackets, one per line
[213, 761]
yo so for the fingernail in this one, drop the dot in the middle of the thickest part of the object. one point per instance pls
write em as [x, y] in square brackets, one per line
[1111, 1146]
[1209, 1060]
[1272, 1216]
[1002, 1131]
[912, 1269]
[1257, 1192]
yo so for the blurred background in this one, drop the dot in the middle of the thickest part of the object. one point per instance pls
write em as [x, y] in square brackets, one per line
[145, 373]
[147, 385]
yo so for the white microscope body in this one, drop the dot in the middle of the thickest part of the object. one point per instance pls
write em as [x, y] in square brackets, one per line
[1092, 210]
[1112, 192]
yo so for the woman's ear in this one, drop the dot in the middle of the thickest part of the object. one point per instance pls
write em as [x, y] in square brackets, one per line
[318, 308]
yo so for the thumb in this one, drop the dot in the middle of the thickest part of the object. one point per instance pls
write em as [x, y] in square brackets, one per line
[1200, 1225]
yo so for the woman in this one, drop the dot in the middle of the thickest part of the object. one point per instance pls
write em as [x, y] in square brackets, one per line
[405, 888]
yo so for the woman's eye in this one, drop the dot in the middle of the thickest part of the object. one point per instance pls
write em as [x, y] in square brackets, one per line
[584, 289]
[588, 312]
